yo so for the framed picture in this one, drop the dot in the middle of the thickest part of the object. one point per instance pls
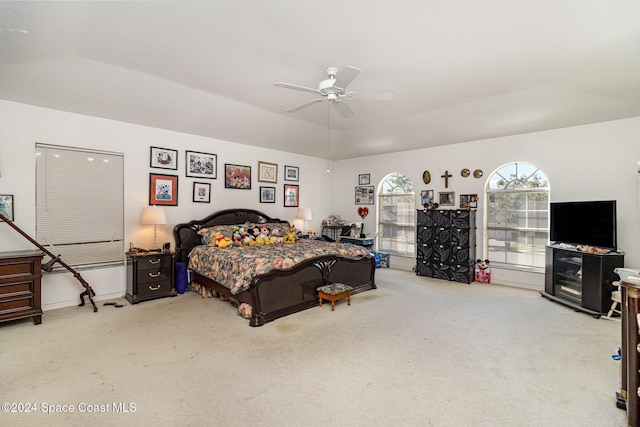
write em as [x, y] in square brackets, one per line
[267, 172]
[364, 195]
[163, 189]
[426, 197]
[291, 173]
[201, 165]
[163, 158]
[291, 195]
[364, 179]
[237, 176]
[267, 194]
[201, 192]
[447, 198]
[468, 201]
[6, 206]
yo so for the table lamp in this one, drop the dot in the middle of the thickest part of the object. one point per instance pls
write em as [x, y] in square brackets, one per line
[305, 215]
[154, 215]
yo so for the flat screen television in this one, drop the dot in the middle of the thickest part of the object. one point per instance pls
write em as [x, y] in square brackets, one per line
[584, 223]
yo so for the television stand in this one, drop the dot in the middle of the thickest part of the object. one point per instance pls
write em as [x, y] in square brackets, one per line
[580, 280]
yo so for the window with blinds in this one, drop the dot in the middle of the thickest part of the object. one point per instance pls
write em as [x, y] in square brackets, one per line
[397, 216]
[517, 221]
[80, 205]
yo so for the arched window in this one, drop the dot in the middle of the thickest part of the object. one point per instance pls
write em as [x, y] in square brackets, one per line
[396, 215]
[517, 217]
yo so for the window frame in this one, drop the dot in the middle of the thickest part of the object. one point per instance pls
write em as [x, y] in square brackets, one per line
[409, 223]
[536, 252]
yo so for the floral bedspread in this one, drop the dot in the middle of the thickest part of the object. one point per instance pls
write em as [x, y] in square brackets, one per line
[236, 267]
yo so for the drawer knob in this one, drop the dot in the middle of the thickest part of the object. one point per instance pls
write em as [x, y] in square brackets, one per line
[155, 274]
[155, 261]
[154, 288]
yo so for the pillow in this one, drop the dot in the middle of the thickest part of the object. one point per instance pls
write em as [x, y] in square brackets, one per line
[269, 225]
[209, 234]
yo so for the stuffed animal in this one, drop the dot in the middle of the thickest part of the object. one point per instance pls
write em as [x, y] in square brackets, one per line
[221, 241]
[290, 237]
[263, 236]
[277, 234]
[483, 272]
[246, 238]
[245, 310]
[237, 237]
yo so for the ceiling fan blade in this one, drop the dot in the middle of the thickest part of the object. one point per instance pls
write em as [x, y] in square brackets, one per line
[296, 87]
[374, 96]
[346, 76]
[304, 105]
[343, 109]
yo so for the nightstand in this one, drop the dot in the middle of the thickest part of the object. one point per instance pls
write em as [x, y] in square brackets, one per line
[150, 275]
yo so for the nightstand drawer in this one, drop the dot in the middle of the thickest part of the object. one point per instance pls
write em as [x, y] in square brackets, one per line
[153, 262]
[157, 274]
[154, 289]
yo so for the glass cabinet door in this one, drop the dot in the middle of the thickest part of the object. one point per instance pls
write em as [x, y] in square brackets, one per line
[568, 275]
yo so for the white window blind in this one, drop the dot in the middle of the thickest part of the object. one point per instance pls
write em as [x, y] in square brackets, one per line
[80, 204]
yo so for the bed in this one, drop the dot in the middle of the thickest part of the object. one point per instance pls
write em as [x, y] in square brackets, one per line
[283, 278]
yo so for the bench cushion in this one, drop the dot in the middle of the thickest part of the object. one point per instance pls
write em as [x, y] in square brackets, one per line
[334, 288]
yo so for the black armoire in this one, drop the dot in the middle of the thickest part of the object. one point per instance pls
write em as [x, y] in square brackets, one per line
[446, 244]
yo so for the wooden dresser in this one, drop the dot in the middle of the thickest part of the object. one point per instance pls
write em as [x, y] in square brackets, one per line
[20, 286]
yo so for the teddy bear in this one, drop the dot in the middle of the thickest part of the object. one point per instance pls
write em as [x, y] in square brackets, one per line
[221, 241]
[245, 310]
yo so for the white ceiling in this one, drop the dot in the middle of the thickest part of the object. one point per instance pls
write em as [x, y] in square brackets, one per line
[461, 70]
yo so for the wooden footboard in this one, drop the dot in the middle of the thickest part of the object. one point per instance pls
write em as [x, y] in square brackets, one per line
[282, 292]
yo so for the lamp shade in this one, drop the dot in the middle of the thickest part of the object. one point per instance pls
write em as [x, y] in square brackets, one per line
[152, 215]
[304, 214]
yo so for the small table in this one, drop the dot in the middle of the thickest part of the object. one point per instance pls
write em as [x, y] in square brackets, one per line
[334, 292]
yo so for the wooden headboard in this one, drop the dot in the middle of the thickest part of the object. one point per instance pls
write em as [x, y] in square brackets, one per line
[186, 235]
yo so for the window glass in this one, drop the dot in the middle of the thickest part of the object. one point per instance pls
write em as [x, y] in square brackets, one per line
[396, 215]
[517, 219]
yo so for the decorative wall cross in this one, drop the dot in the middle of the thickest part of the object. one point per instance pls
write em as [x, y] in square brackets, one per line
[446, 177]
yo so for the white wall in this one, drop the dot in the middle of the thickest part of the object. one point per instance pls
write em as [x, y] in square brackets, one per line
[592, 162]
[21, 126]
[597, 161]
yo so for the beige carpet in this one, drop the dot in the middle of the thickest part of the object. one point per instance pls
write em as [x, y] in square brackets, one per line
[415, 352]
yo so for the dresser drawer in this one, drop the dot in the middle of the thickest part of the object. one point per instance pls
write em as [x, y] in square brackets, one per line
[16, 288]
[20, 289]
[16, 304]
[16, 268]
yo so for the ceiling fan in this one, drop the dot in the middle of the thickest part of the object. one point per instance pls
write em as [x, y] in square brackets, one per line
[333, 89]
